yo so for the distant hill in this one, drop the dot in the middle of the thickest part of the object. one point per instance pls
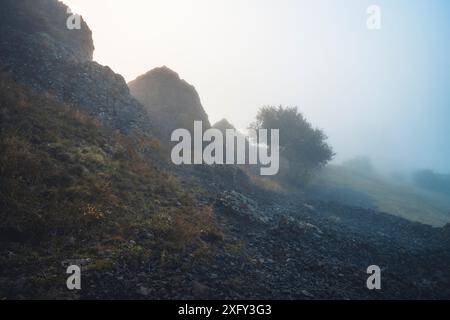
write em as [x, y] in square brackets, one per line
[432, 181]
[370, 190]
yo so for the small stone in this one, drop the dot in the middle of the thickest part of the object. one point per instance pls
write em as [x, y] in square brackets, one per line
[143, 291]
[199, 290]
[306, 294]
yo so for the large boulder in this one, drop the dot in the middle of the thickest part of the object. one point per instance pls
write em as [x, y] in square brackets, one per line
[171, 102]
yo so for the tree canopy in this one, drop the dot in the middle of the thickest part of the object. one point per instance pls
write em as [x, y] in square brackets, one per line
[301, 145]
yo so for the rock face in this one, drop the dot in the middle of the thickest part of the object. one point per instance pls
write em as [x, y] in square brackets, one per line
[38, 50]
[171, 102]
[223, 125]
[41, 25]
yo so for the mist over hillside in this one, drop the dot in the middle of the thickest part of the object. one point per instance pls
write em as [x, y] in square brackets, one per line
[88, 181]
[380, 93]
[365, 187]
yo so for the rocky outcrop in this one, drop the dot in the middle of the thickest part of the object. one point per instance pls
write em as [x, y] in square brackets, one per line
[41, 25]
[223, 125]
[171, 102]
[38, 50]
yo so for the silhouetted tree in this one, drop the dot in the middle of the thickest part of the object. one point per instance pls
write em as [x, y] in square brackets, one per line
[303, 147]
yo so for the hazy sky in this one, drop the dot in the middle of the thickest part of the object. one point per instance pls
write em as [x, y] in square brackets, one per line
[381, 93]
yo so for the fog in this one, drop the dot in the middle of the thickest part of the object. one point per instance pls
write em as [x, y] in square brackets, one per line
[379, 93]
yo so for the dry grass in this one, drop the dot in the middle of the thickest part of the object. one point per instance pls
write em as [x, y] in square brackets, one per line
[64, 176]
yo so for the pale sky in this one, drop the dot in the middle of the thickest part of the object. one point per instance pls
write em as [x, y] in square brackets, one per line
[380, 93]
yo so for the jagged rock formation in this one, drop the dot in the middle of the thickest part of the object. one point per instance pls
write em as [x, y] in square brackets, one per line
[171, 102]
[38, 50]
[41, 26]
[223, 125]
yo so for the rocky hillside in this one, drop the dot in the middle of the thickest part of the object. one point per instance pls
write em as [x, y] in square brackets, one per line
[37, 49]
[74, 190]
[171, 102]
[40, 25]
[84, 181]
